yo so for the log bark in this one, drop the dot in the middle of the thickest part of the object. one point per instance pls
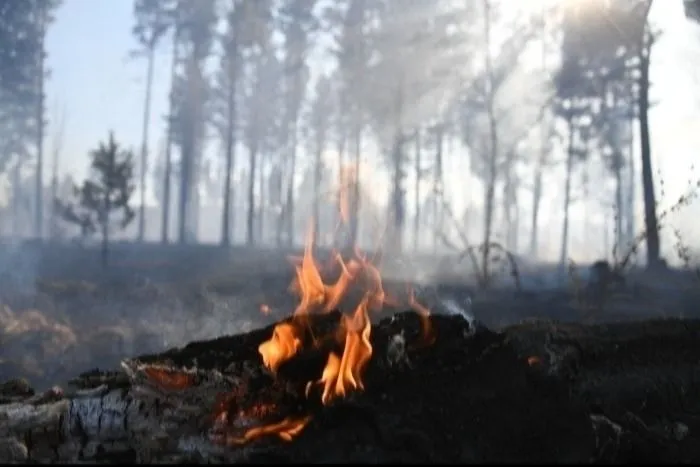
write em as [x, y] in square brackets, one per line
[537, 392]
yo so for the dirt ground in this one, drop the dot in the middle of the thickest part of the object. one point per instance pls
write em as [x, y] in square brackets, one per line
[61, 314]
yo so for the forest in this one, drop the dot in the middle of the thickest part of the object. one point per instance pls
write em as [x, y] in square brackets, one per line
[481, 170]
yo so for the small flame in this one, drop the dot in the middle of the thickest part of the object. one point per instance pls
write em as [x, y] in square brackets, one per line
[285, 430]
[283, 345]
[533, 360]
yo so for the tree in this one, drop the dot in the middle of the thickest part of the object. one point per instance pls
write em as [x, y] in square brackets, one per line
[23, 27]
[196, 21]
[167, 178]
[352, 50]
[595, 32]
[43, 17]
[318, 127]
[298, 25]
[56, 147]
[104, 194]
[261, 103]
[492, 125]
[247, 24]
[413, 43]
[153, 19]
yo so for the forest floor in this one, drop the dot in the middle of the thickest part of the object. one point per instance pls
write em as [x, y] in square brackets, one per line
[62, 320]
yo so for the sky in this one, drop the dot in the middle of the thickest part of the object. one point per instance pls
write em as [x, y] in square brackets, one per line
[97, 88]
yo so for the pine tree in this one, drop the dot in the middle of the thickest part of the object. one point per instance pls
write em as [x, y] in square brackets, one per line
[105, 193]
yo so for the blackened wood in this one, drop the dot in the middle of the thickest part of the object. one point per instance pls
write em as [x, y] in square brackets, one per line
[537, 392]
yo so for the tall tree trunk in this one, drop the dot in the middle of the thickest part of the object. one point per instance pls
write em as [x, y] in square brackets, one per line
[619, 209]
[317, 192]
[567, 195]
[536, 202]
[650, 220]
[262, 204]
[355, 204]
[54, 195]
[39, 187]
[438, 189]
[252, 162]
[17, 194]
[144, 144]
[340, 147]
[507, 203]
[230, 155]
[543, 147]
[631, 188]
[397, 197]
[493, 147]
[289, 204]
[515, 230]
[167, 175]
[416, 192]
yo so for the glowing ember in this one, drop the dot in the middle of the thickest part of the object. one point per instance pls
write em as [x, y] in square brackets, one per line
[169, 379]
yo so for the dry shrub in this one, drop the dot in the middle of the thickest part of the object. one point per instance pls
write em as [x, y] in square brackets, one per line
[497, 255]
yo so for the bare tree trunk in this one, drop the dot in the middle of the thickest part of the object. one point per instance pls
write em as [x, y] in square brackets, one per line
[289, 205]
[544, 129]
[397, 197]
[438, 189]
[493, 149]
[165, 223]
[39, 188]
[340, 147]
[650, 220]
[355, 205]
[619, 210]
[631, 187]
[515, 231]
[252, 162]
[262, 204]
[536, 201]
[57, 144]
[507, 207]
[317, 192]
[567, 194]
[144, 144]
[230, 155]
[17, 194]
[397, 202]
[416, 192]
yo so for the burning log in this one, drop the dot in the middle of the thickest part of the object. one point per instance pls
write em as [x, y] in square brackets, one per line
[471, 396]
[326, 385]
[215, 400]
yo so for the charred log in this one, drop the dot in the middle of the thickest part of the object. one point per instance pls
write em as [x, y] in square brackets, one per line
[538, 392]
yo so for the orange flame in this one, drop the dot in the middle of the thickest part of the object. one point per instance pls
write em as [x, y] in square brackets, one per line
[283, 345]
[342, 373]
[285, 430]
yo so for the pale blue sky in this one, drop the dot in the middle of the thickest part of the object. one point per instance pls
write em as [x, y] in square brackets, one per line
[95, 81]
[101, 89]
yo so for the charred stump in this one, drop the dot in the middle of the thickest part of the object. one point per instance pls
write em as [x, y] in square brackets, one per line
[538, 392]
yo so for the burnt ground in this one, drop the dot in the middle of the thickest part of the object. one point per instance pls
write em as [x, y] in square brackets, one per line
[61, 314]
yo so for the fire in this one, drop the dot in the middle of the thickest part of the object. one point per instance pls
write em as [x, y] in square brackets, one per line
[286, 430]
[343, 373]
[283, 345]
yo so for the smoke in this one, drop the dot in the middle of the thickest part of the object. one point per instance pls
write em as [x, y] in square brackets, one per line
[19, 263]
